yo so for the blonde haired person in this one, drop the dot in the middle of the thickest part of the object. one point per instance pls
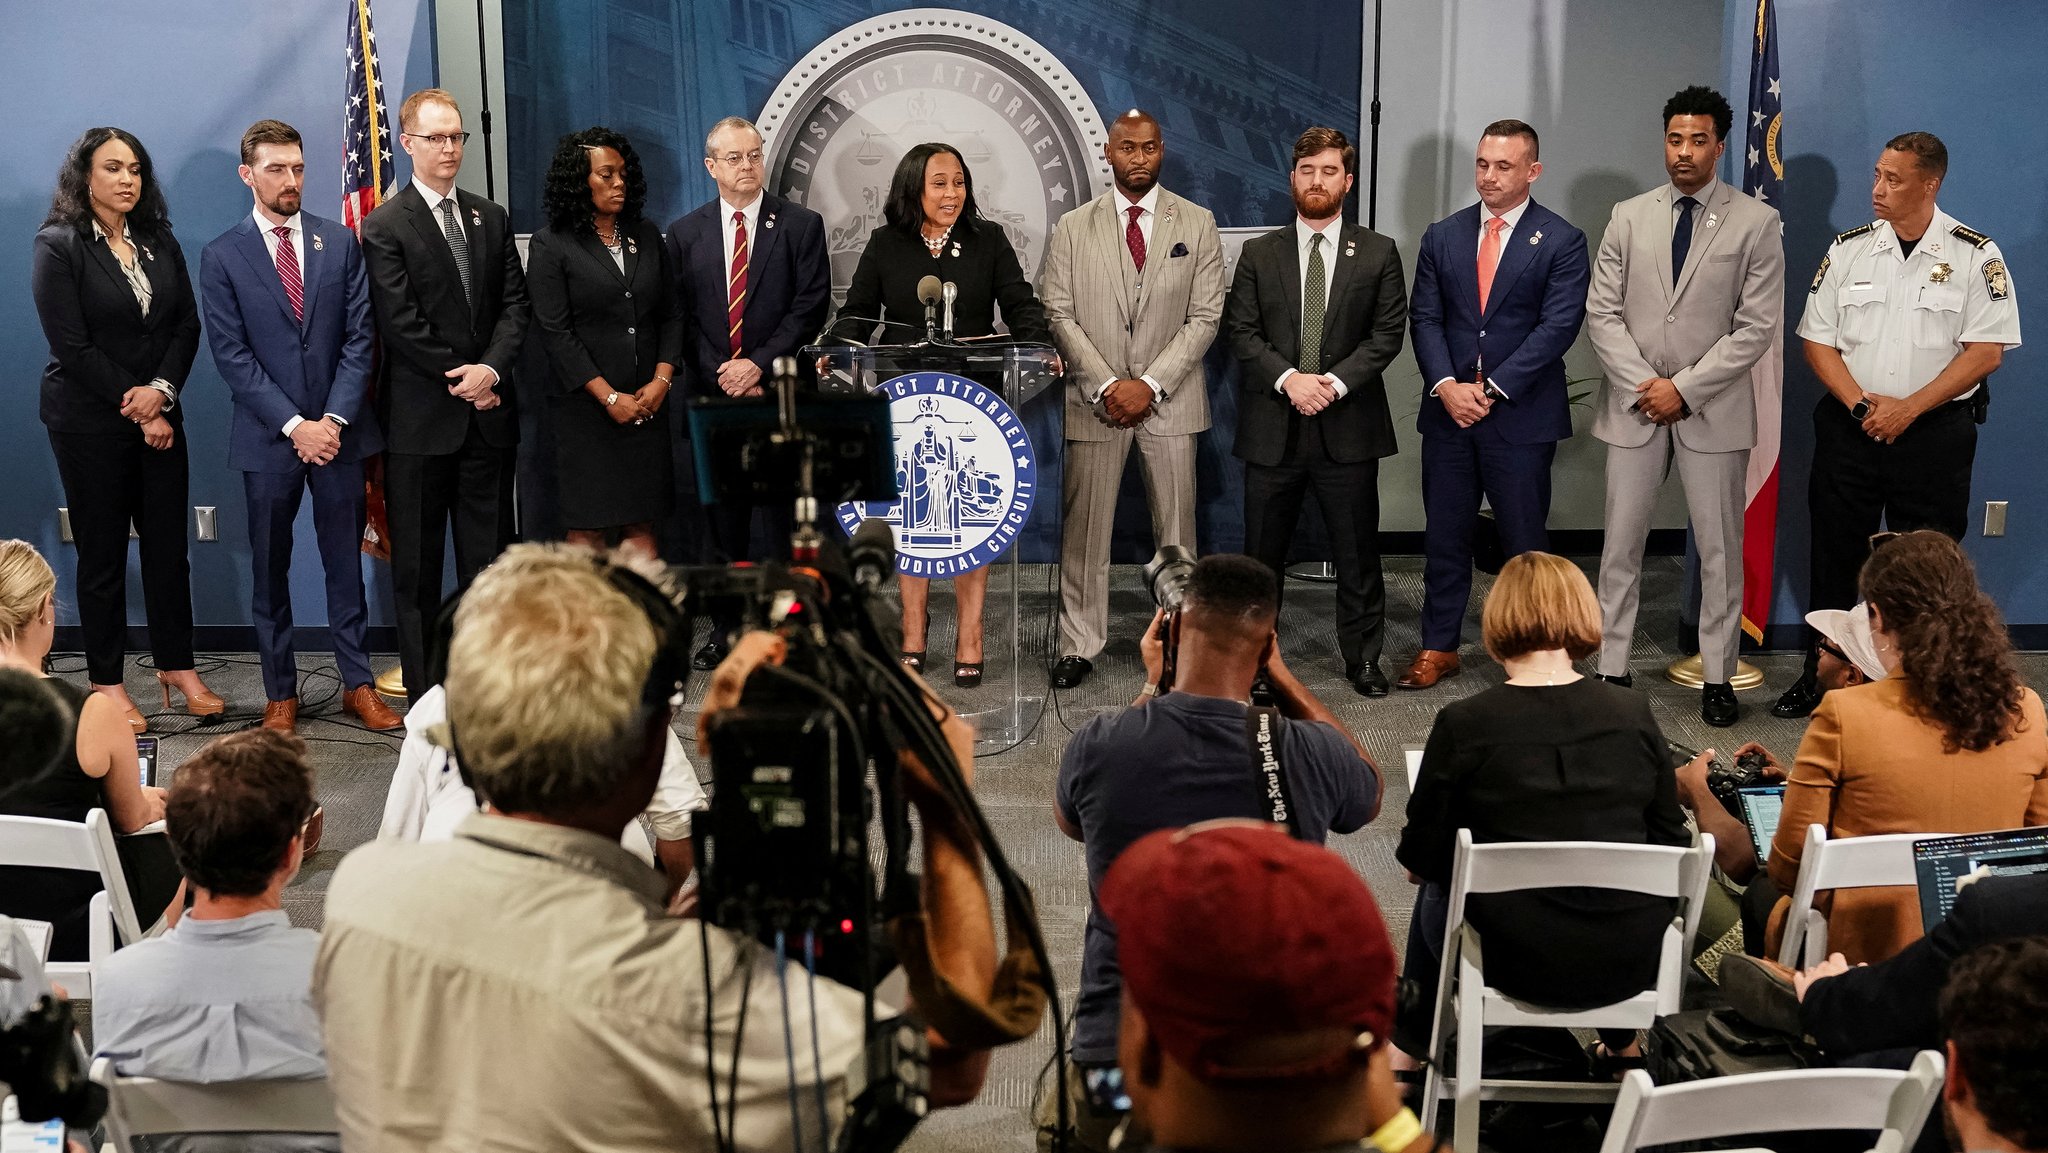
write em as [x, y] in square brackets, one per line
[1548, 756]
[106, 774]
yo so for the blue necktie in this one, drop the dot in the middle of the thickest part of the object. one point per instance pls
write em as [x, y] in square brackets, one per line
[1681, 236]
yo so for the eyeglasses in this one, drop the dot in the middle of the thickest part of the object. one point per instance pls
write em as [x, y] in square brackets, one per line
[1833, 650]
[441, 140]
[740, 159]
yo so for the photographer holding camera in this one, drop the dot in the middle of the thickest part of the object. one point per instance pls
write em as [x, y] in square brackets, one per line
[519, 986]
[1193, 748]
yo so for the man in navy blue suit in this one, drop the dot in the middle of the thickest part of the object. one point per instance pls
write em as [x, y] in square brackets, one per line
[1500, 292]
[753, 278]
[287, 310]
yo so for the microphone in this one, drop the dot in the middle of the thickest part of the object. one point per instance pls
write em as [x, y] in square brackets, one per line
[949, 292]
[928, 295]
[871, 554]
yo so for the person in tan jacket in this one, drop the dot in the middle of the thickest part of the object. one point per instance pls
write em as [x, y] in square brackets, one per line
[1950, 741]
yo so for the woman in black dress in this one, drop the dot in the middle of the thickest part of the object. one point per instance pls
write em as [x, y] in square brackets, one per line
[932, 227]
[116, 304]
[1549, 756]
[599, 277]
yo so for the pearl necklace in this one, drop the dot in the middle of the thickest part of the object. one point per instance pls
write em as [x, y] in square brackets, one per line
[937, 246]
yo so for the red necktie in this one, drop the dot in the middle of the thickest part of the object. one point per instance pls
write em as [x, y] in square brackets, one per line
[736, 283]
[1135, 239]
[288, 271]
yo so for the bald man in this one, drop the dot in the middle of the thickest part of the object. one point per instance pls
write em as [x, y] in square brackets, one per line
[1133, 287]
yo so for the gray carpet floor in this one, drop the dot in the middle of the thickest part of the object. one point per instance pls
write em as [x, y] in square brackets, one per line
[1015, 786]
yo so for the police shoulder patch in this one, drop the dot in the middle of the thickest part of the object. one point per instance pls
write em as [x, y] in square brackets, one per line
[1820, 274]
[1845, 237]
[1970, 236]
[1996, 283]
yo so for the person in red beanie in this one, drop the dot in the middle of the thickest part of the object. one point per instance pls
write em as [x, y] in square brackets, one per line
[1272, 1036]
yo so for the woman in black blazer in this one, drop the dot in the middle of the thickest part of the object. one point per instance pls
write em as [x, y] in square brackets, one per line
[1549, 756]
[116, 304]
[933, 228]
[599, 278]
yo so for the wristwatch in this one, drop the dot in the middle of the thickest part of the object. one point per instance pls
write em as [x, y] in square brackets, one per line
[1861, 409]
[611, 400]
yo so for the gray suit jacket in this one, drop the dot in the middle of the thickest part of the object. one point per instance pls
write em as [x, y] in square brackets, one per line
[1704, 333]
[1106, 332]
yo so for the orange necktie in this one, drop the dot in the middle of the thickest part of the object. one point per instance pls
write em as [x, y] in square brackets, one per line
[1489, 258]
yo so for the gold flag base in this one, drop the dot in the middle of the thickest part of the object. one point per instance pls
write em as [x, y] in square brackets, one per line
[1690, 672]
[392, 682]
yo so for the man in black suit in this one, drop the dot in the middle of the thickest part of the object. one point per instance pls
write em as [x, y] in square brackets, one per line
[753, 278]
[1317, 310]
[451, 308]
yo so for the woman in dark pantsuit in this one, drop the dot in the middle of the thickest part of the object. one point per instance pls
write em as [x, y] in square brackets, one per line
[116, 304]
[933, 228]
[599, 277]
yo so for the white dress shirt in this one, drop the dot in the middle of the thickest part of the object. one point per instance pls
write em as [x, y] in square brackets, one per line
[1513, 217]
[1331, 233]
[752, 212]
[434, 200]
[265, 227]
[1147, 206]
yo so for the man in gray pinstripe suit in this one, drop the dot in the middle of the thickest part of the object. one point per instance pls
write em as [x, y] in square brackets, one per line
[1133, 288]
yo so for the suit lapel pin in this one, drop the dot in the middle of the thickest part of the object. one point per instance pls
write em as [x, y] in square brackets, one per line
[632, 246]
[146, 253]
[1537, 237]
[1712, 220]
[956, 250]
[1351, 248]
[768, 223]
[317, 245]
[476, 218]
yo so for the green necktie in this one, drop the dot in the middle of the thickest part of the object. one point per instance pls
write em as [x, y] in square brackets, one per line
[1312, 309]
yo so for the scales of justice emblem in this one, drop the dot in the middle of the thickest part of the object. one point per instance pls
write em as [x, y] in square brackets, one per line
[965, 471]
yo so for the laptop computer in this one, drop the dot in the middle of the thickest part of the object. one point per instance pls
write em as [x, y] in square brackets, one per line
[1943, 865]
[1761, 805]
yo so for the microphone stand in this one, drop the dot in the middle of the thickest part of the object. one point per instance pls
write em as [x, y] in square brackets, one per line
[483, 72]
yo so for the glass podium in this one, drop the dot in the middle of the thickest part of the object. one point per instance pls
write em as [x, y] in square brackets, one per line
[967, 473]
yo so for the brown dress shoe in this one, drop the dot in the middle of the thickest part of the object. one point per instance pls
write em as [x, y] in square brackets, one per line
[281, 716]
[1429, 667]
[366, 706]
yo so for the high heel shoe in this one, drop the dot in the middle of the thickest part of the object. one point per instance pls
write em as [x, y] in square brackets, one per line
[136, 721]
[913, 659]
[203, 704]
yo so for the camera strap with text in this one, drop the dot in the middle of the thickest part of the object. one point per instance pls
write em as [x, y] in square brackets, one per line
[1276, 800]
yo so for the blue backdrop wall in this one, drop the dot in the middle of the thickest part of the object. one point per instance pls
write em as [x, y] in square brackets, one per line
[1857, 73]
[190, 79]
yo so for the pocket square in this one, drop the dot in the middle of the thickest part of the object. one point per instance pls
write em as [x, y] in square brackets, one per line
[1178, 250]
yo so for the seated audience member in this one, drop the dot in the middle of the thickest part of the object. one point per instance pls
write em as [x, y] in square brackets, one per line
[104, 774]
[1548, 756]
[1996, 1098]
[1269, 1036]
[1890, 1007]
[1184, 756]
[225, 994]
[517, 986]
[1950, 741]
[427, 798]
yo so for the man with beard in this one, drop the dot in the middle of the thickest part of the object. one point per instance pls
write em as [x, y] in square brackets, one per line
[1495, 309]
[1315, 315]
[1133, 289]
[287, 308]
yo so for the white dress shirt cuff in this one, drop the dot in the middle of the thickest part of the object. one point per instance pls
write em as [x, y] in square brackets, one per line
[293, 423]
[1158, 393]
[1280, 382]
[169, 390]
[495, 376]
[1337, 385]
[1096, 396]
[1439, 384]
[336, 419]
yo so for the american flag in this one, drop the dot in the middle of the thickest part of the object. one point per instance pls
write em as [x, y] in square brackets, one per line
[365, 178]
[1763, 176]
[366, 123]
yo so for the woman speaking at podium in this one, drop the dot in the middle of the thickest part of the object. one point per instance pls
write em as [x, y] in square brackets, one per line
[932, 228]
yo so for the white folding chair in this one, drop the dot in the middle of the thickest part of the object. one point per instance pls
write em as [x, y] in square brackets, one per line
[1801, 1100]
[144, 1106]
[1846, 863]
[1467, 1004]
[88, 848]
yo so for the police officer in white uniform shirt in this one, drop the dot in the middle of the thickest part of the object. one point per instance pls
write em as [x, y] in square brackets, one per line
[1905, 319]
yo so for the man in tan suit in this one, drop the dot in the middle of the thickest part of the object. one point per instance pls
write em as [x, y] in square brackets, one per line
[1133, 288]
[1686, 297]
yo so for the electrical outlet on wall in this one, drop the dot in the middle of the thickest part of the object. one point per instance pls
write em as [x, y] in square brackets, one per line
[1994, 518]
[209, 522]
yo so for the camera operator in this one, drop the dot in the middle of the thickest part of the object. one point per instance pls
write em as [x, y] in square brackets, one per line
[1189, 755]
[519, 987]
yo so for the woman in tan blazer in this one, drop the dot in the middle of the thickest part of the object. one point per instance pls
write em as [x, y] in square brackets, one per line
[1950, 741]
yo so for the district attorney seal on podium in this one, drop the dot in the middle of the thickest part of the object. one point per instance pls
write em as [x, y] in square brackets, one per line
[848, 111]
[966, 472]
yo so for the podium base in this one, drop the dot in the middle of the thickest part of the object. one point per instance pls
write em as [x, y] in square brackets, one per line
[1691, 672]
[1002, 724]
[391, 682]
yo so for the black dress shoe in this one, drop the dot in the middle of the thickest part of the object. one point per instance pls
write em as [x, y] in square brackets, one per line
[1368, 679]
[1625, 680]
[1070, 672]
[1717, 705]
[709, 657]
[1799, 700]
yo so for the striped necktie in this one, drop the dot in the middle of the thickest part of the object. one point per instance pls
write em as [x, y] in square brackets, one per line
[736, 282]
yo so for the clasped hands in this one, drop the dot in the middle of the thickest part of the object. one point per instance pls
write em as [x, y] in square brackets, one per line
[1659, 401]
[1128, 402]
[634, 407]
[145, 406]
[1466, 400]
[1308, 392]
[316, 441]
[475, 383]
[1890, 417]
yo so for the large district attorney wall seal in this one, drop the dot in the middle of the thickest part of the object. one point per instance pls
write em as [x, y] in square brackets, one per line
[841, 119]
